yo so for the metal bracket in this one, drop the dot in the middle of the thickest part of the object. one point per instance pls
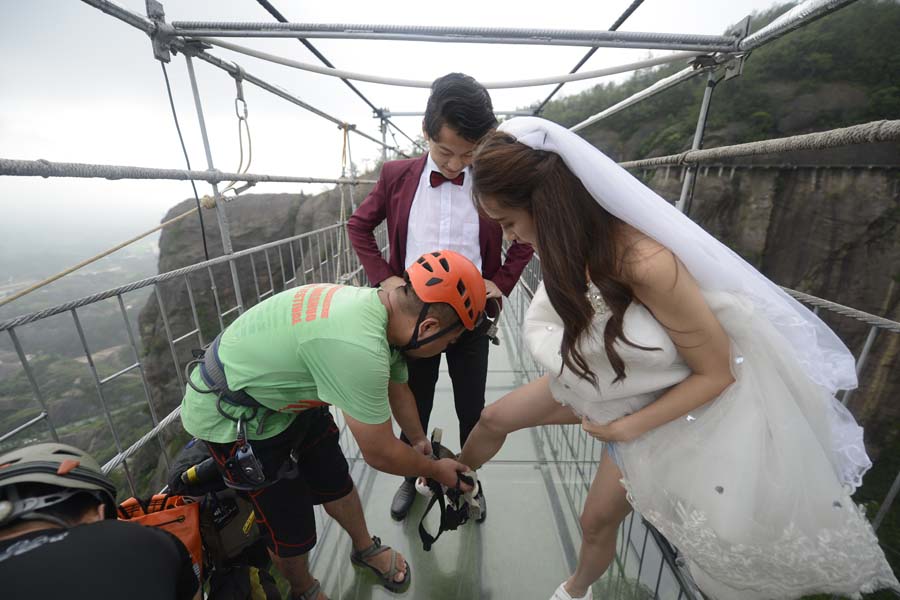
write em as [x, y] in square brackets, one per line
[740, 30]
[162, 34]
[237, 191]
[735, 66]
[194, 47]
[704, 60]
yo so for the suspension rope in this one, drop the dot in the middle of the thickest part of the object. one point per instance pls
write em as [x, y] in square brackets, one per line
[187, 160]
[134, 285]
[866, 133]
[494, 85]
[343, 213]
[282, 19]
[94, 258]
[391, 131]
[628, 11]
[46, 168]
[241, 111]
[847, 311]
[353, 174]
[121, 457]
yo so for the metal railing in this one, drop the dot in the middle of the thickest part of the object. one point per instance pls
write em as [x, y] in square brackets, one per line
[321, 255]
[645, 562]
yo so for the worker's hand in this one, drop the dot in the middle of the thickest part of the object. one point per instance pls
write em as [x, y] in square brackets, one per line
[445, 472]
[422, 446]
[492, 290]
[391, 282]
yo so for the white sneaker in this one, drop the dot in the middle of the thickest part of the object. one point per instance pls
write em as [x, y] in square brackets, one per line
[562, 594]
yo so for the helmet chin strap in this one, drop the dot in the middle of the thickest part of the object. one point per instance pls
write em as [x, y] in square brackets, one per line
[414, 341]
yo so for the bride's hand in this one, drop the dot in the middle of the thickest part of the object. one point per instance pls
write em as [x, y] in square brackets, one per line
[614, 431]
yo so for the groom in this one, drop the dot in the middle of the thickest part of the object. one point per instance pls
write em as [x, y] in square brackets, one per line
[427, 202]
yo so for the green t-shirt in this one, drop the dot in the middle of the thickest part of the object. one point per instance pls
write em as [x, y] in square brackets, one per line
[302, 348]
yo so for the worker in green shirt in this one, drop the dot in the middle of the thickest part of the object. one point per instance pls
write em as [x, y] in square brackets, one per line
[261, 395]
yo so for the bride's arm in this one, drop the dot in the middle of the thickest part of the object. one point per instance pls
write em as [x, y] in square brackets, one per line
[662, 284]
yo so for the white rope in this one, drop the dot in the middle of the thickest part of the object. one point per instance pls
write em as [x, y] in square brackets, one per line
[343, 215]
[494, 85]
[865, 133]
[121, 457]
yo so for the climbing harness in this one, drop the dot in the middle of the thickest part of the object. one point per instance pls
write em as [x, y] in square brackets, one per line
[243, 469]
[456, 507]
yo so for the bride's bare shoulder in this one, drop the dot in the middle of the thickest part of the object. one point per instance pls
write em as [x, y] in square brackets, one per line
[645, 261]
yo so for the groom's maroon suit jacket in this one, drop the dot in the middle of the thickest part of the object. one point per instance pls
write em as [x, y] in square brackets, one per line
[391, 199]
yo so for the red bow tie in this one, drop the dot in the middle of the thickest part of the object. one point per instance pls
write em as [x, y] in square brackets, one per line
[437, 178]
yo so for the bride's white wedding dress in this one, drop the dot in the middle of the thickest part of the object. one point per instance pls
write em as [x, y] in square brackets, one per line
[754, 487]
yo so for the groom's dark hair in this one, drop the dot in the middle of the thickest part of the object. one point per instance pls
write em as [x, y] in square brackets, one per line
[462, 104]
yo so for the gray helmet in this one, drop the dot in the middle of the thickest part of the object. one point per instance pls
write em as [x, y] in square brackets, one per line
[59, 465]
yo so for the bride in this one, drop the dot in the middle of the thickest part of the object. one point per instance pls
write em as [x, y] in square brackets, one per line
[712, 389]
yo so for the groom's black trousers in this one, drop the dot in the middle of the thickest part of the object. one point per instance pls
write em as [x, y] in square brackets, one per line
[467, 361]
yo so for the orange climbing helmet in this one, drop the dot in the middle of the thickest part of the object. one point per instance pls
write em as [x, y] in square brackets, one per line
[449, 277]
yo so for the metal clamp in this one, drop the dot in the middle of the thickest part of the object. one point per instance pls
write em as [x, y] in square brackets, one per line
[735, 66]
[162, 33]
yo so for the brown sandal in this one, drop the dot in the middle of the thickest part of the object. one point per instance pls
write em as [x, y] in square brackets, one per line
[358, 558]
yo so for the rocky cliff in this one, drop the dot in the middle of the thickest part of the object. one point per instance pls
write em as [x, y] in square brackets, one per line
[832, 233]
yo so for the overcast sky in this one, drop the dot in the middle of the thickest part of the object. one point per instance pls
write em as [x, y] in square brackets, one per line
[77, 85]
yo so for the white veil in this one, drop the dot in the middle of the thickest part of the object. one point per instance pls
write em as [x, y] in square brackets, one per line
[823, 356]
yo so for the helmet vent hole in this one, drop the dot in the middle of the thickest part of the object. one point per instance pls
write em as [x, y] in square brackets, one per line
[468, 302]
[434, 281]
[427, 267]
[445, 264]
[64, 451]
[461, 288]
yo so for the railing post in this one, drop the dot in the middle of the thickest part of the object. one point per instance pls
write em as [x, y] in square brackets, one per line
[861, 361]
[224, 228]
[23, 358]
[687, 188]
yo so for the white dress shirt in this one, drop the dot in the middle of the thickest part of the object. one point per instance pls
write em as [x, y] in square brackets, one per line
[443, 218]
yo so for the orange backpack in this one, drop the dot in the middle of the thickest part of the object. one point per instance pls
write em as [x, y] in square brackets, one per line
[172, 513]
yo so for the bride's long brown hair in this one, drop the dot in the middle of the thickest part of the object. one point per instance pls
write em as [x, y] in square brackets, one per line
[575, 236]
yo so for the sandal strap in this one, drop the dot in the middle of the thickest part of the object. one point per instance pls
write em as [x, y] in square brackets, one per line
[312, 593]
[374, 550]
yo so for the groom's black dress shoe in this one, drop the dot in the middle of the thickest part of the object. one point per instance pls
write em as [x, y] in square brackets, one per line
[403, 500]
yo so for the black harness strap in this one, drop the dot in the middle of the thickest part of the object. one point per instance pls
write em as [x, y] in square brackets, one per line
[213, 374]
[451, 517]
